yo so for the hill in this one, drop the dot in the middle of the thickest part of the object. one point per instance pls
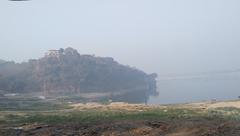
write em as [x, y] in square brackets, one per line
[2, 61]
[66, 72]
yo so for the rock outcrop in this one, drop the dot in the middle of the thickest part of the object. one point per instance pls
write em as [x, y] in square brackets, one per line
[65, 71]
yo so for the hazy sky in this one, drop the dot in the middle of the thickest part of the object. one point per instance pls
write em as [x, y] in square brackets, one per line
[164, 36]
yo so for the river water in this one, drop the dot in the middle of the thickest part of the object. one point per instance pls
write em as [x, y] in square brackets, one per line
[202, 88]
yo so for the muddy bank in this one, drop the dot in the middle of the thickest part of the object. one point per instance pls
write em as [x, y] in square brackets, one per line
[198, 127]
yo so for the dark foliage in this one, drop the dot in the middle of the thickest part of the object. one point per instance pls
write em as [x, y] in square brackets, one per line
[66, 71]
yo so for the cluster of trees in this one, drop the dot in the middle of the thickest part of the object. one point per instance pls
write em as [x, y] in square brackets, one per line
[69, 72]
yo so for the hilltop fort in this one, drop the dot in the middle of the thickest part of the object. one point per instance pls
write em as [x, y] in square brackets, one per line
[65, 72]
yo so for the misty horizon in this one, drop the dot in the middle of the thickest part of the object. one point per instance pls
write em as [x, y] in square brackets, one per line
[156, 36]
[187, 43]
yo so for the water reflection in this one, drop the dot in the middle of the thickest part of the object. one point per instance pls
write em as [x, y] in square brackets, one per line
[182, 90]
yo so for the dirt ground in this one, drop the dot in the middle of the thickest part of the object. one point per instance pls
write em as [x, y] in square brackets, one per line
[130, 128]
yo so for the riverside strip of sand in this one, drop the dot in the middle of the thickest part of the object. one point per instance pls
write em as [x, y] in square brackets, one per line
[140, 107]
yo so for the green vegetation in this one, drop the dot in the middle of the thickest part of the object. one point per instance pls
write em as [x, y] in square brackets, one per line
[90, 116]
[230, 113]
[95, 115]
[21, 110]
[29, 104]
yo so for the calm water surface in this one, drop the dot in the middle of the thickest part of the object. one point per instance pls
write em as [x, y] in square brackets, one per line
[220, 87]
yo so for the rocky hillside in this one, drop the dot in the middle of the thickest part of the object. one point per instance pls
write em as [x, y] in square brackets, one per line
[65, 71]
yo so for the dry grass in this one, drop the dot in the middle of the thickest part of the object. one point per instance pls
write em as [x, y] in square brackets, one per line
[116, 106]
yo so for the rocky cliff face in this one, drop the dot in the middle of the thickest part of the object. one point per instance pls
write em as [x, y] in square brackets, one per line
[65, 71]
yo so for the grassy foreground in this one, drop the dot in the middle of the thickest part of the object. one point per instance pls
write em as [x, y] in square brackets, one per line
[91, 116]
[40, 117]
[46, 112]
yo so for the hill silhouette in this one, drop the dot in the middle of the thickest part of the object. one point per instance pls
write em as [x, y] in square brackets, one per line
[65, 71]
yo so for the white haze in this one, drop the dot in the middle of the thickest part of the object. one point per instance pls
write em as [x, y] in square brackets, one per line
[163, 36]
